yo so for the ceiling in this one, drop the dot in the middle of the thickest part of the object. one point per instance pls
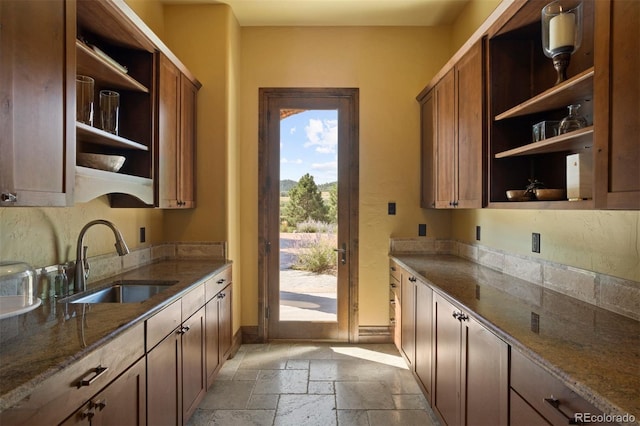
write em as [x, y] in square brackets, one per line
[340, 12]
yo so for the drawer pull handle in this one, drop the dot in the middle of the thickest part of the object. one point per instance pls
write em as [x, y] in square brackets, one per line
[393, 285]
[555, 403]
[220, 281]
[393, 268]
[97, 372]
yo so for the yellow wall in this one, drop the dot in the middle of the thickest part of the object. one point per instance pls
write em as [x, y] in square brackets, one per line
[151, 12]
[46, 236]
[390, 66]
[471, 17]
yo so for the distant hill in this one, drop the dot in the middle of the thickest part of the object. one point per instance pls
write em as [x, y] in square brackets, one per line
[287, 184]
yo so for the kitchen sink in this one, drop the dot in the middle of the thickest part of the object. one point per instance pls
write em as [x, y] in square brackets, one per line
[126, 291]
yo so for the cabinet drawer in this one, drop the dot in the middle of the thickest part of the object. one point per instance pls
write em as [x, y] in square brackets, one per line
[522, 413]
[548, 395]
[193, 301]
[217, 283]
[163, 323]
[395, 271]
[60, 395]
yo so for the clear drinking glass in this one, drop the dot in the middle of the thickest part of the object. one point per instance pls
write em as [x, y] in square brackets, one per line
[109, 109]
[84, 99]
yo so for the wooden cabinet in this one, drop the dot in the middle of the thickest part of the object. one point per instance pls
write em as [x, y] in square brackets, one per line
[123, 402]
[176, 381]
[408, 319]
[616, 105]
[37, 96]
[194, 379]
[538, 396]
[453, 136]
[218, 331]
[602, 79]
[470, 369]
[176, 137]
[424, 335]
[112, 48]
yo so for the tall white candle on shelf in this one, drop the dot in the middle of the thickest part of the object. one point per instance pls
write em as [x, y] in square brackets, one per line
[562, 31]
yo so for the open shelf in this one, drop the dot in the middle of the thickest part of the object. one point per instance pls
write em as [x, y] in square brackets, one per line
[531, 205]
[92, 64]
[93, 183]
[577, 140]
[86, 133]
[576, 89]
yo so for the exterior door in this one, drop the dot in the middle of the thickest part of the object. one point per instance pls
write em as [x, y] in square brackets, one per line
[275, 321]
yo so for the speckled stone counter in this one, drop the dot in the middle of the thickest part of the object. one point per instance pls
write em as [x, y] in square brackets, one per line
[36, 345]
[594, 352]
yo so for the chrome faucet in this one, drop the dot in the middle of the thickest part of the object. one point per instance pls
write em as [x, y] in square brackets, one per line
[82, 263]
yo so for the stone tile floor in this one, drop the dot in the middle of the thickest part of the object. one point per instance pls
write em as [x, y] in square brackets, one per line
[314, 384]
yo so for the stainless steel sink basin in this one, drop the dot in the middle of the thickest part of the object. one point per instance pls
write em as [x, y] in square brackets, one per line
[128, 291]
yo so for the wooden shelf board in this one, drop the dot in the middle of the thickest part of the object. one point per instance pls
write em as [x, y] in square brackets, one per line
[91, 64]
[577, 88]
[92, 134]
[577, 140]
[92, 183]
[546, 205]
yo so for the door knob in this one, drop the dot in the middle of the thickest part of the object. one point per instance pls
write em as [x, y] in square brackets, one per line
[343, 253]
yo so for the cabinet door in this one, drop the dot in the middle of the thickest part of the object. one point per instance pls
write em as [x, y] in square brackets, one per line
[446, 379]
[168, 133]
[194, 379]
[225, 325]
[212, 339]
[486, 369]
[123, 402]
[164, 382]
[470, 107]
[617, 102]
[424, 322]
[408, 303]
[187, 145]
[37, 96]
[428, 151]
[446, 141]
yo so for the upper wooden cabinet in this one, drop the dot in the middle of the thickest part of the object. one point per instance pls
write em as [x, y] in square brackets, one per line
[453, 136]
[602, 78]
[37, 97]
[176, 137]
[519, 91]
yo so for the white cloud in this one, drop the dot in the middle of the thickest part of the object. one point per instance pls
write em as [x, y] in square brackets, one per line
[323, 134]
[296, 161]
[329, 165]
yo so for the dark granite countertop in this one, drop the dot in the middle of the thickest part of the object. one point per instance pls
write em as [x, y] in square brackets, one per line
[36, 345]
[594, 352]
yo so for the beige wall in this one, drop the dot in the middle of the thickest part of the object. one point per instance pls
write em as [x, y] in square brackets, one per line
[390, 66]
[46, 236]
[471, 17]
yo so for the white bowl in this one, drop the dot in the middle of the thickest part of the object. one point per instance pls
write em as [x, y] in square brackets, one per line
[110, 163]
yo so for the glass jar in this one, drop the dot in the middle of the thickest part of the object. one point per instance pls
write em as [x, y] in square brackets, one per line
[573, 121]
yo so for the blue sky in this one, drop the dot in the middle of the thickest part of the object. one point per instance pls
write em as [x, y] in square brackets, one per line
[309, 144]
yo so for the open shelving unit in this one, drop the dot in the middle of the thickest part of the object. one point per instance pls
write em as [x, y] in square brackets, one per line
[112, 50]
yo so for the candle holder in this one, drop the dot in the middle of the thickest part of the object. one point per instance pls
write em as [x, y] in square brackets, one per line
[561, 33]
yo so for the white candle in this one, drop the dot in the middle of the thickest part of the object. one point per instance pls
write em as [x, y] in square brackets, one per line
[561, 31]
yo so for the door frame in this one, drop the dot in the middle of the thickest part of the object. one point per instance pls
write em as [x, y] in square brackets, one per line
[267, 202]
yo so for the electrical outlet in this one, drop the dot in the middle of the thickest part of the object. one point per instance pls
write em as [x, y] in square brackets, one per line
[478, 233]
[422, 230]
[392, 209]
[535, 242]
[143, 234]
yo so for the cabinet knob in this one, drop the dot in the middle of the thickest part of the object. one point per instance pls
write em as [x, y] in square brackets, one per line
[8, 197]
[220, 281]
[393, 285]
[183, 329]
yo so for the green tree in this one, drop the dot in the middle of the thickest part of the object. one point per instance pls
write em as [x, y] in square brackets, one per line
[305, 202]
[333, 203]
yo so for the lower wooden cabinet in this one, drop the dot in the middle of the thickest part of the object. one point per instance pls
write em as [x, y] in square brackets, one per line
[123, 402]
[408, 320]
[218, 332]
[424, 334]
[470, 381]
[194, 378]
[164, 382]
